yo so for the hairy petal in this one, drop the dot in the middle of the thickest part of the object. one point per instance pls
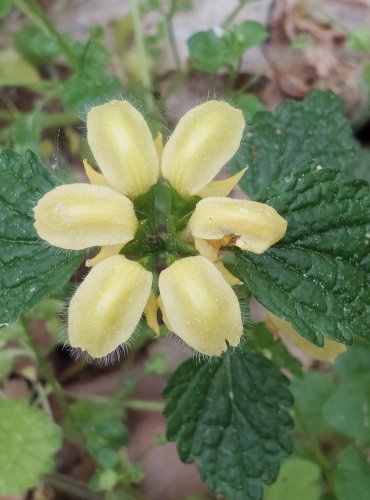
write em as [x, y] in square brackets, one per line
[123, 147]
[78, 216]
[205, 138]
[108, 305]
[200, 306]
[255, 226]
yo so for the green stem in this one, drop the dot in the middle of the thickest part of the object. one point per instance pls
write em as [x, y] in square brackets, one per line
[171, 34]
[59, 119]
[320, 458]
[44, 367]
[142, 56]
[230, 18]
[36, 15]
[74, 488]
[142, 405]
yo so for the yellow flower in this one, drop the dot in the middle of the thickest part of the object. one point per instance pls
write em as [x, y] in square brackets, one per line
[328, 353]
[196, 296]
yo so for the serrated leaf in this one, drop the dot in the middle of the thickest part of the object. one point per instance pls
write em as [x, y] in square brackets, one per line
[317, 277]
[298, 478]
[28, 441]
[228, 415]
[352, 475]
[30, 270]
[298, 132]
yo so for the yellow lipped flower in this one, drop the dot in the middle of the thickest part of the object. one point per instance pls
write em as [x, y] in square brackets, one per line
[196, 296]
[200, 306]
[328, 353]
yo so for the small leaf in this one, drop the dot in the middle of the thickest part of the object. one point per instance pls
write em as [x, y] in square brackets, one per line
[102, 429]
[30, 270]
[35, 45]
[352, 475]
[301, 42]
[15, 70]
[5, 7]
[249, 104]
[359, 40]
[348, 408]
[298, 478]
[317, 277]
[90, 84]
[310, 394]
[217, 48]
[228, 415]
[281, 143]
[28, 441]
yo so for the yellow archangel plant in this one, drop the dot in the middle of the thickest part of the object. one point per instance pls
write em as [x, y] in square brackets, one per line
[195, 290]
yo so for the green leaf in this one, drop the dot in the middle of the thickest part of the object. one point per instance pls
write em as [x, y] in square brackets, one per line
[15, 70]
[228, 415]
[298, 478]
[214, 49]
[102, 429]
[310, 394]
[348, 408]
[278, 144]
[5, 7]
[35, 45]
[30, 270]
[249, 104]
[28, 441]
[352, 475]
[90, 84]
[260, 338]
[301, 42]
[317, 277]
[355, 361]
[359, 40]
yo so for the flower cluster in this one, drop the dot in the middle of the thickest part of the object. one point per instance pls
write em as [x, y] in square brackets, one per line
[194, 292]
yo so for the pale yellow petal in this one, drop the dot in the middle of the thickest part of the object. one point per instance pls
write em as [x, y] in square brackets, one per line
[206, 249]
[222, 187]
[230, 278]
[123, 147]
[158, 143]
[205, 138]
[255, 226]
[108, 305]
[150, 312]
[200, 306]
[105, 252]
[77, 216]
[94, 176]
[328, 352]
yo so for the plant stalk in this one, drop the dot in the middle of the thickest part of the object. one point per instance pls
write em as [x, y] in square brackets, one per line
[44, 368]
